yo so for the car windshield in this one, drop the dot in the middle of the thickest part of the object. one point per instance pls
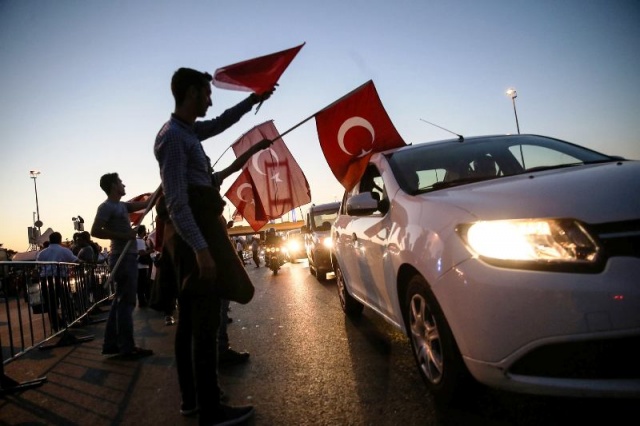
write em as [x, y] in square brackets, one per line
[322, 221]
[432, 166]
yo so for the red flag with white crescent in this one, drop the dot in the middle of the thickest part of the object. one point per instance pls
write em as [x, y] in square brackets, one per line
[242, 195]
[135, 217]
[279, 182]
[237, 216]
[352, 129]
[257, 75]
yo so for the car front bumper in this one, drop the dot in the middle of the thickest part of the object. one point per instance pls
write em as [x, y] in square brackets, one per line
[547, 332]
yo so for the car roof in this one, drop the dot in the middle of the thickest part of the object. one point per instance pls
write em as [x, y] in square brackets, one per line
[466, 139]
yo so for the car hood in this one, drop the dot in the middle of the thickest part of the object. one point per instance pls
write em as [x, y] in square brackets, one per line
[592, 193]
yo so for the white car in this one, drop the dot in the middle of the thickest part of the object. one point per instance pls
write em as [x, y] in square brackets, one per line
[514, 260]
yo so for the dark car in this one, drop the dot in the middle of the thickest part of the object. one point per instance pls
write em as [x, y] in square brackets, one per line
[318, 241]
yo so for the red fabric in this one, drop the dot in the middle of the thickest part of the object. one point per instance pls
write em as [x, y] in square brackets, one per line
[136, 217]
[279, 181]
[242, 195]
[237, 216]
[257, 75]
[352, 129]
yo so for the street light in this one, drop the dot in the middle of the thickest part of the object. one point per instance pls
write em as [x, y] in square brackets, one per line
[513, 94]
[34, 175]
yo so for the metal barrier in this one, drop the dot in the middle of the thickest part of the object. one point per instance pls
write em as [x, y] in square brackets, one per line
[40, 302]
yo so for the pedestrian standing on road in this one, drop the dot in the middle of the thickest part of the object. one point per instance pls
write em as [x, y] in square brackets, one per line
[51, 279]
[240, 250]
[193, 204]
[85, 250]
[144, 263]
[255, 251]
[112, 222]
[227, 355]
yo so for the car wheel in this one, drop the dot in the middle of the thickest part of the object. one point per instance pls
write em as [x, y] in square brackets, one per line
[434, 348]
[350, 306]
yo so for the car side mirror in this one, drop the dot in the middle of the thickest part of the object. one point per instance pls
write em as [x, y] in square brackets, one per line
[362, 204]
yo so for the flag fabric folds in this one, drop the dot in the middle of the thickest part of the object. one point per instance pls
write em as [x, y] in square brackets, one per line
[257, 75]
[136, 217]
[276, 179]
[351, 129]
[242, 194]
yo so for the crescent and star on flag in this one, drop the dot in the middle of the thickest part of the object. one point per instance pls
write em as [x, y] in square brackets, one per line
[344, 155]
[349, 124]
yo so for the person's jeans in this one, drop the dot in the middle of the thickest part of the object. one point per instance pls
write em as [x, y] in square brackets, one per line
[119, 329]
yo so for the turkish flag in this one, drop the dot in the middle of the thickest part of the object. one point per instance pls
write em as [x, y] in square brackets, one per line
[136, 217]
[242, 194]
[351, 130]
[237, 216]
[257, 75]
[279, 181]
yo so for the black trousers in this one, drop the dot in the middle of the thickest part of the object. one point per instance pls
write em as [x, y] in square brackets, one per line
[196, 344]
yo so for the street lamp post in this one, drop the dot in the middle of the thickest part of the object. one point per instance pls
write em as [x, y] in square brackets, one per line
[34, 175]
[513, 94]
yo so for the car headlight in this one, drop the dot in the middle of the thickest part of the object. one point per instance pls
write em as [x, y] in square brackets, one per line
[531, 240]
[294, 245]
[327, 242]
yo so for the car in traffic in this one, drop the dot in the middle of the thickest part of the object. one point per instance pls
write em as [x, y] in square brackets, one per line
[317, 239]
[508, 260]
[295, 246]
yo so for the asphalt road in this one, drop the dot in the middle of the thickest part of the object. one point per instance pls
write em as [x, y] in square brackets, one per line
[312, 365]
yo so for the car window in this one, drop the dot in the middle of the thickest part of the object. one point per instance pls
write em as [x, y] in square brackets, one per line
[531, 156]
[323, 220]
[433, 166]
[372, 182]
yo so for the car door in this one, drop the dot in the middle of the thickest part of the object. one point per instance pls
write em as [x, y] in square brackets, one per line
[363, 239]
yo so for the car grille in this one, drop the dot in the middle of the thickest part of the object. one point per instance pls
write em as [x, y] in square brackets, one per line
[600, 359]
[619, 238]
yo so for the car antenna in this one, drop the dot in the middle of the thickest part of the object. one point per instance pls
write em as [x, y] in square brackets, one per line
[460, 137]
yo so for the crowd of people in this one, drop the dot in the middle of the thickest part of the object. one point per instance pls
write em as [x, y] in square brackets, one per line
[194, 256]
[192, 259]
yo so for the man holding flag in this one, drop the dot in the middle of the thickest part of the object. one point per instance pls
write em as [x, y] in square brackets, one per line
[194, 207]
[112, 222]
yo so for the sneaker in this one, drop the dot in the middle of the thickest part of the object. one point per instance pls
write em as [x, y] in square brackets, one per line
[231, 357]
[188, 410]
[110, 350]
[169, 320]
[227, 415]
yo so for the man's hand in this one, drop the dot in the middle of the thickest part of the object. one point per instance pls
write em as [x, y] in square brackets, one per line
[206, 265]
[262, 97]
[263, 144]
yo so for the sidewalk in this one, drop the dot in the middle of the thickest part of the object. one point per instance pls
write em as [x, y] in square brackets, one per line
[85, 388]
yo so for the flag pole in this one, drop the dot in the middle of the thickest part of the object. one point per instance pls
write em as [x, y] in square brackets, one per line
[316, 113]
[303, 121]
[150, 204]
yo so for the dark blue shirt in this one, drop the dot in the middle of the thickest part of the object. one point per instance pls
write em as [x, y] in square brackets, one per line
[183, 163]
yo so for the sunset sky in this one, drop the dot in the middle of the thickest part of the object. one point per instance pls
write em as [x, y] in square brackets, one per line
[85, 84]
